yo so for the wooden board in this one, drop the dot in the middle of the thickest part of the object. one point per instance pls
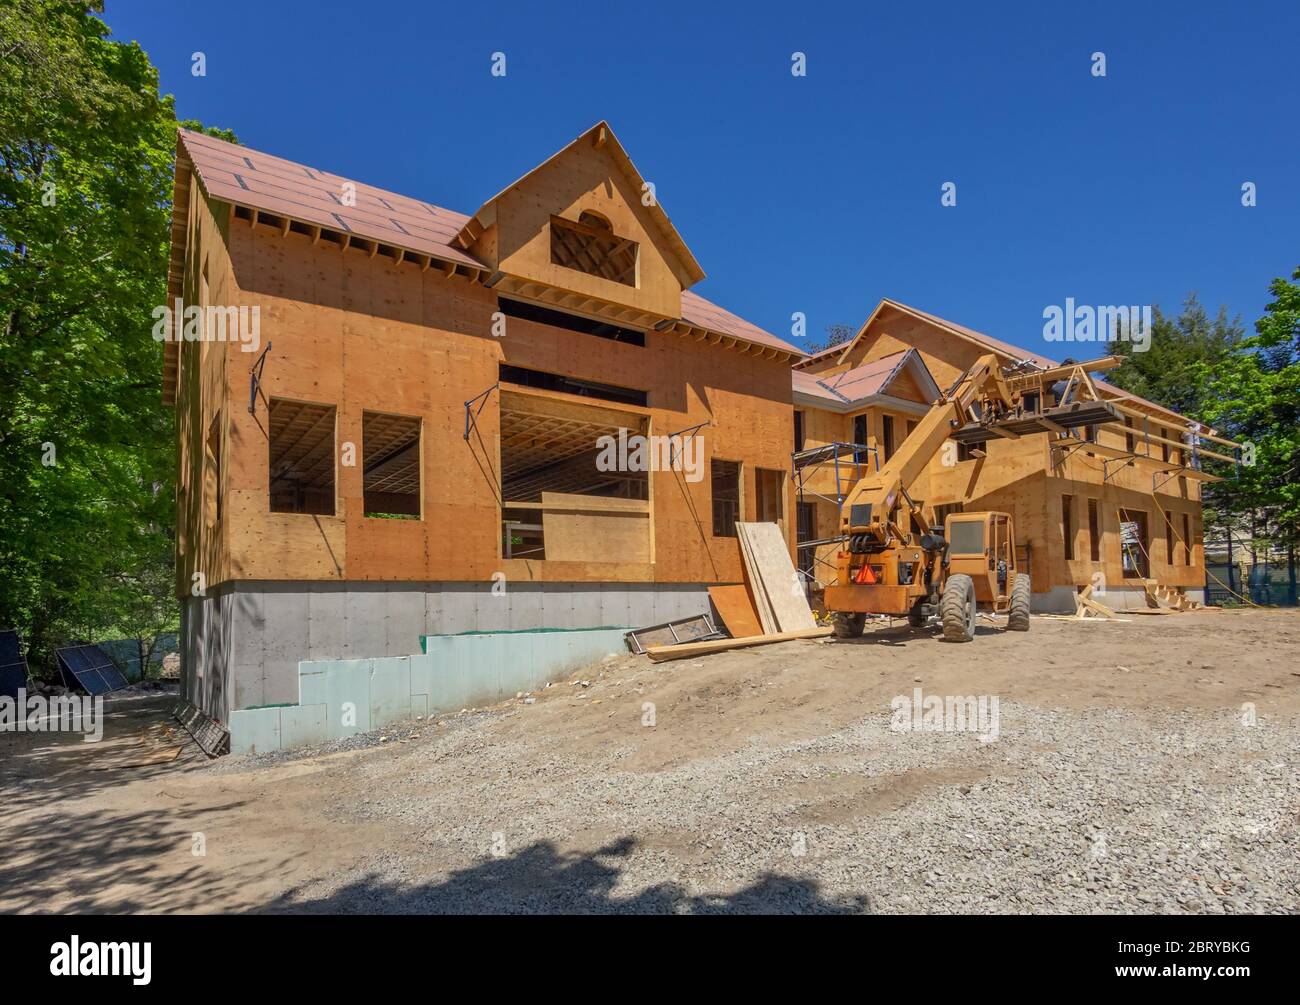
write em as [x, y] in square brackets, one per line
[661, 653]
[767, 620]
[768, 557]
[737, 611]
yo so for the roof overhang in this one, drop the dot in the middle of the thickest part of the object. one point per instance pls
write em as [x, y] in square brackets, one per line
[861, 404]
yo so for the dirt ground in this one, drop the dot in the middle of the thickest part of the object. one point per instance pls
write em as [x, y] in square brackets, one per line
[764, 779]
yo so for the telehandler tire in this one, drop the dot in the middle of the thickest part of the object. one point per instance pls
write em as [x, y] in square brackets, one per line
[1018, 616]
[916, 616]
[848, 624]
[957, 609]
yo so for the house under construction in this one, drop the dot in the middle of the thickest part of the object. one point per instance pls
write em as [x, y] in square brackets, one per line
[412, 447]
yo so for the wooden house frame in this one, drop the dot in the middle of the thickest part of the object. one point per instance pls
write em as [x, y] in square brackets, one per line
[407, 448]
[1117, 509]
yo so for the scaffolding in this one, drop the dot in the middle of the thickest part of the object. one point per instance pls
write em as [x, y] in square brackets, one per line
[846, 461]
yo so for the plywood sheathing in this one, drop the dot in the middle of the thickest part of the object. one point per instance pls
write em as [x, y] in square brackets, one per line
[369, 334]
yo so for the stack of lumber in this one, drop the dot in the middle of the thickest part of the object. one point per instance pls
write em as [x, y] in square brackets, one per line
[774, 584]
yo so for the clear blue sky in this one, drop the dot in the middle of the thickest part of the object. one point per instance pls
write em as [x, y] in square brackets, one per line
[818, 194]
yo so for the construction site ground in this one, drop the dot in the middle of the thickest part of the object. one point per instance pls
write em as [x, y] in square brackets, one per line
[1149, 765]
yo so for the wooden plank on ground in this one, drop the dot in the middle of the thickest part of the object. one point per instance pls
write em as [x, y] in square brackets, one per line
[1084, 605]
[736, 608]
[661, 653]
[780, 581]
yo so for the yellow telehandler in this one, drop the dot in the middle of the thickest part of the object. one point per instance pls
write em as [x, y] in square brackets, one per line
[895, 561]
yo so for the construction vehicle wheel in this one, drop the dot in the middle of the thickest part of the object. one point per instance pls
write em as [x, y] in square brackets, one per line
[916, 616]
[957, 609]
[1018, 616]
[848, 624]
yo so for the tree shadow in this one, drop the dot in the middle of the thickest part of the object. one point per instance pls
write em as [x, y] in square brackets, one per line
[540, 879]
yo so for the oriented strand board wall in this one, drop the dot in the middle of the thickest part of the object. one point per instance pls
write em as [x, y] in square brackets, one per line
[582, 178]
[364, 333]
[200, 393]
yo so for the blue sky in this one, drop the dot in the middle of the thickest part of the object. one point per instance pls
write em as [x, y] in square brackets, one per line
[818, 194]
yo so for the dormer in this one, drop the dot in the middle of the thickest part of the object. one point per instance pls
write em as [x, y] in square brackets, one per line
[585, 230]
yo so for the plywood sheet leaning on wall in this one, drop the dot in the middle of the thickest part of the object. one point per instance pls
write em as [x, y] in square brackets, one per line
[767, 560]
[736, 609]
[766, 618]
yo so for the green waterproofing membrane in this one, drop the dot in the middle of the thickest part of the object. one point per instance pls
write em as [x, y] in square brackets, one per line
[339, 698]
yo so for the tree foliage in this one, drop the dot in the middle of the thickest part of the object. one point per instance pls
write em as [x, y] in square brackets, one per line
[86, 453]
[836, 334]
[1255, 399]
[1182, 346]
[1247, 388]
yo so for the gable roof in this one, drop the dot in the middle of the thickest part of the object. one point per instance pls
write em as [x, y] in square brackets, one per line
[1004, 349]
[865, 384]
[255, 180]
[602, 137]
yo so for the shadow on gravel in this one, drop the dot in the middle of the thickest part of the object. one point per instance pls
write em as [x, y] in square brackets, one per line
[541, 880]
[902, 636]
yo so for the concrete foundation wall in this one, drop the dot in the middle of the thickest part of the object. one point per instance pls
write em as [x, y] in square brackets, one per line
[207, 628]
[243, 642]
[339, 698]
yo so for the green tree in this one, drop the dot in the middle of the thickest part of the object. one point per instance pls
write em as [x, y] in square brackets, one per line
[1254, 398]
[1170, 371]
[836, 334]
[86, 454]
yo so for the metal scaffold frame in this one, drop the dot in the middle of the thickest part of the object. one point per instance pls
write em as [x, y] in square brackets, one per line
[805, 464]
